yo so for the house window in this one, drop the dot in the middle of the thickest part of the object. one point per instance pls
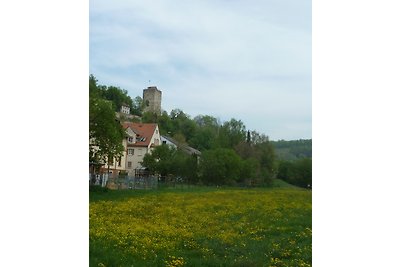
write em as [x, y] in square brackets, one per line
[129, 164]
[119, 162]
[164, 142]
[130, 139]
[130, 151]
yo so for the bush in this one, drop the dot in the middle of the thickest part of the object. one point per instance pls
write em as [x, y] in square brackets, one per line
[296, 173]
[220, 167]
[97, 188]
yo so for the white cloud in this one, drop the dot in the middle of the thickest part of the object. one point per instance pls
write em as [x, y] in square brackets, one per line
[250, 60]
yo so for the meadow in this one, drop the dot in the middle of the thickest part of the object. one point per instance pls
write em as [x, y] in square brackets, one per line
[201, 227]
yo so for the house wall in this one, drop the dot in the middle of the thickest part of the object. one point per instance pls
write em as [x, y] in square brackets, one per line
[136, 159]
[139, 152]
[156, 138]
[125, 109]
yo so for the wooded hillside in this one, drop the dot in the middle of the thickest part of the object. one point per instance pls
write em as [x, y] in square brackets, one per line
[293, 149]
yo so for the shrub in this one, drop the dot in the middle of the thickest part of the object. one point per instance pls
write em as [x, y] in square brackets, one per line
[97, 188]
[297, 173]
[220, 166]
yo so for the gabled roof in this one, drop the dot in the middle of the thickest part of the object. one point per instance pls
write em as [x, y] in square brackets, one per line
[170, 139]
[185, 148]
[144, 132]
[130, 132]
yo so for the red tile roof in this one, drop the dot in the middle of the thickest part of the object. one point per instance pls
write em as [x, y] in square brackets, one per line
[143, 130]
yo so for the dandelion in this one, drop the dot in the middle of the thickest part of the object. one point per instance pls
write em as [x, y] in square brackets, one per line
[208, 225]
[175, 262]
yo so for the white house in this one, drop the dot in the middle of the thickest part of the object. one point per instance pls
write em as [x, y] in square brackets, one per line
[140, 139]
[125, 109]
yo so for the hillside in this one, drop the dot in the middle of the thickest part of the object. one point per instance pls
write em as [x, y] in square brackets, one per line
[293, 150]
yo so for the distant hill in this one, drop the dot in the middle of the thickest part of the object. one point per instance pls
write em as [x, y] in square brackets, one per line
[293, 150]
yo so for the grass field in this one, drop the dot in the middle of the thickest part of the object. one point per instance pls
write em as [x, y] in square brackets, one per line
[201, 227]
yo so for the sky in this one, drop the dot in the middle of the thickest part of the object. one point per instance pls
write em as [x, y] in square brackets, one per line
[248, 60]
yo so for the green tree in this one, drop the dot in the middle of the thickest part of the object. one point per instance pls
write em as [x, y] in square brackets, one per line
[207, 121]
[137, 106]
[245, 150]
[105, 132]
[165, 124]
[168, 161]
[189, 169]
[258, 148]
[257, 138]
[220, 166]
[204, 138]
[206, 134]
[304, 172]
[118, 97]
[297, 172]
[149, 117]
[250, 172]
[95, 90]
[266, 155]
[231, 133]
[181, 123]
[293, 149]
[162, 160]
[92, 85]
[248, 139]
[285, 170]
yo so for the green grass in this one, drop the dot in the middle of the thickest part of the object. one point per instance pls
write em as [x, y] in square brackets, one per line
[201, 226]
[278, 183]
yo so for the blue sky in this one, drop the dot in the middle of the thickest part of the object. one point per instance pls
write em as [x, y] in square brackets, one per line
[249, 60]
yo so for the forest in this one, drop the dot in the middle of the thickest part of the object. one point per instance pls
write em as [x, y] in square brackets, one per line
[231, 154]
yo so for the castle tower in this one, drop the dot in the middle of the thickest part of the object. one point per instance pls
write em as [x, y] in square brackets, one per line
[152, 100]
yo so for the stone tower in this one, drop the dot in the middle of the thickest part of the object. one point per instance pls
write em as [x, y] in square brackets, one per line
[152, 100]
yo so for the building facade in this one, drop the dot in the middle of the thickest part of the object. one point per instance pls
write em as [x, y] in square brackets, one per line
[141, 138]
[125, 109]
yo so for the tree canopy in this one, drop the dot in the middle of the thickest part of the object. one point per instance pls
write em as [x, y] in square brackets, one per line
[293, 149]
[168, 161]
[105, 132]
[115, 95]
[297, 172]
[220, 166]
